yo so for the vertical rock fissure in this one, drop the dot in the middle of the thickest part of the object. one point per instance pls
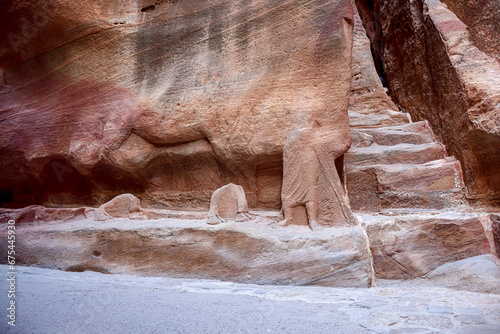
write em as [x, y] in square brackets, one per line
[373, 26]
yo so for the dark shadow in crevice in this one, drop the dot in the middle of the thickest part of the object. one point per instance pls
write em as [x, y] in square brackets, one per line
[372, 23]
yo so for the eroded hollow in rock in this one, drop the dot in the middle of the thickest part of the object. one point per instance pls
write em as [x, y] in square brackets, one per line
[148, 9]
[61, 183]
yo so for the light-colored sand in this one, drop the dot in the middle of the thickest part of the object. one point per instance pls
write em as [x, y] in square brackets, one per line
[52, 302]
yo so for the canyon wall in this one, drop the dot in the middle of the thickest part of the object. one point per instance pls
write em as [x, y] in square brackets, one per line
[168, 100]
[445, 70]
[481, 18]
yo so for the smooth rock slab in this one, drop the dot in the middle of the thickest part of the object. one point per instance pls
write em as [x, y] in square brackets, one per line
[254, 251]
[410, 246]
[478, 274]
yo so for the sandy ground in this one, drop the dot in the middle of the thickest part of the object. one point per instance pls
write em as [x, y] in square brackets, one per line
[50, 301]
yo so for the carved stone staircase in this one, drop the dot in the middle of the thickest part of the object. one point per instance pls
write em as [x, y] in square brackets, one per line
[396, 165]
[407, 192]
[410, 196]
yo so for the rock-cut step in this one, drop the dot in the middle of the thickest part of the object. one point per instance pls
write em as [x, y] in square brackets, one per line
[385, 117]
[395, 154]
[412, 133]
[433, 185]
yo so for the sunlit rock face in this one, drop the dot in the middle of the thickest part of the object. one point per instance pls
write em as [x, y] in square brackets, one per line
[444, 68]
[167, 100]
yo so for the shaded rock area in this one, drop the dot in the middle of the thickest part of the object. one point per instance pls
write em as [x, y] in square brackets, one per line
[444, 68]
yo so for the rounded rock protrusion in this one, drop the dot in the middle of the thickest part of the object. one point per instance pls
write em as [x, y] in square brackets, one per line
[226, 203]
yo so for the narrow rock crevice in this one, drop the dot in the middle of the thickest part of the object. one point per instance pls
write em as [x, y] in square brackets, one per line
[373, 26]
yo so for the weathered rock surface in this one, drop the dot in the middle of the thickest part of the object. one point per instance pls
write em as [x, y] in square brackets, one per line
[495, 228]
[410, 246]
[166, 100]
[437, 72]
[368, 95]
[122, 206]
[393, 164]
[312, 192]
[39, 214]
[481, 18]
[479, 274]
[255, 251]
[226, 203]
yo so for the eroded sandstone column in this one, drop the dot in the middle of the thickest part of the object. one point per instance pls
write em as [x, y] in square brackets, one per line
[312, 192]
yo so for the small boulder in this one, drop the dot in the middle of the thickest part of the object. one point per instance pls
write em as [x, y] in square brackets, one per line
[122, 206]
[226, 203]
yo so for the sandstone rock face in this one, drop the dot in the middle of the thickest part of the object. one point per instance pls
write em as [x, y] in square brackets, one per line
[226, 203]
[167, 100]
[495, 221]
[437, 72]
[122, 206]
[39, 214]
[481, 18]
[254, 251]
[393, 164]
[406, 247]
[479, 274]
[312, 191]
[368, 95]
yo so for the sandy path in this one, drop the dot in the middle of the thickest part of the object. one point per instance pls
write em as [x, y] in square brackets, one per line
[50, 301]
